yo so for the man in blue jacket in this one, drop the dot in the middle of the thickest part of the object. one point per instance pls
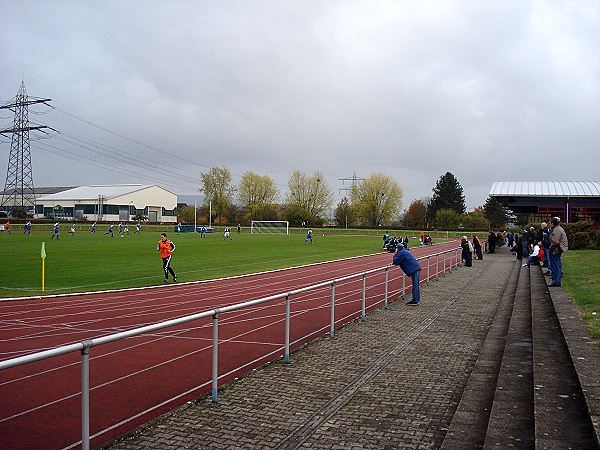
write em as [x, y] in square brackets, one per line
[411, 267]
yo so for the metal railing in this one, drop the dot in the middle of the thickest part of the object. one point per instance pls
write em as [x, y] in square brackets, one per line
[85, 346]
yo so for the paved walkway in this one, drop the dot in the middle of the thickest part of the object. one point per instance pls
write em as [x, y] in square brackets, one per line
[393, 381]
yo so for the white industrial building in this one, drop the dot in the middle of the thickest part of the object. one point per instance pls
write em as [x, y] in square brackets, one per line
[116, 202]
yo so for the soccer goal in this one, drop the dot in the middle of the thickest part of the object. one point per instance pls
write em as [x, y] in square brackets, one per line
[270, 226]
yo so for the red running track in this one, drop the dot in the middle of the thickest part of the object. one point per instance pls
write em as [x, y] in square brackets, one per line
[135, 380]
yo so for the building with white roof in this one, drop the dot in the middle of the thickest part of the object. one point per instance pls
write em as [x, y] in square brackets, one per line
[116, 202]
[572, 201]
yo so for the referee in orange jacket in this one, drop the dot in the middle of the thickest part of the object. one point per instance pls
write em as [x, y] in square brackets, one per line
[166, 249]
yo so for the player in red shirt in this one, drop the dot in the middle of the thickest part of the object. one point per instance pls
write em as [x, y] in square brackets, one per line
[166, 249]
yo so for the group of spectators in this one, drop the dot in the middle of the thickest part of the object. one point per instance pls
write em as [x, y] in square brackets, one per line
[391, 243]
[543, 247]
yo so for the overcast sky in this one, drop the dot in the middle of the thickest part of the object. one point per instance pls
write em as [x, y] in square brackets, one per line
[487, 90]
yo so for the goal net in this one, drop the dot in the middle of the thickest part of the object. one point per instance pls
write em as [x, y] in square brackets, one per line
[270, 226]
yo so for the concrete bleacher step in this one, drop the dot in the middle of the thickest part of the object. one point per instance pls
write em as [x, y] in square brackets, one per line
[561, 416]
[470, 421]
[511, 422]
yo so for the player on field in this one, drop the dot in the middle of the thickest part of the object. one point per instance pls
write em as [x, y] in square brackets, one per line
[27, 228]
[308, 236]
[56, 231]
[110, 230]
[121, 229]
[203, 231]
[138, 228]
[166, 249]
[7, 226]
[93, 228]
[72, 230]
[227, 233]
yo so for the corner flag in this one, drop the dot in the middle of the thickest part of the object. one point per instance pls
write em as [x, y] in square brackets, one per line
[43, 266]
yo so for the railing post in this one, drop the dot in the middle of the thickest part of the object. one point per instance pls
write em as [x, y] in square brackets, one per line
[332, 326]
[451, 254]
[444, 259]
[85, 395]
[385, 295]
[403, 284]
[364, 297]
[437, 266]
[427, 271]
[286, 351]
[215, 357]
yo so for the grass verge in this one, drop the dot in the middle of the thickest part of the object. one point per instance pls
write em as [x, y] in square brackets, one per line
[582, 282]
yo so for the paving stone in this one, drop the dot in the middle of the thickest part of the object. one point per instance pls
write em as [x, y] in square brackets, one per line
[407, 404]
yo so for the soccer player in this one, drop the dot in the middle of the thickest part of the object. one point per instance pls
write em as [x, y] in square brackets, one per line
[56, 231]
[179, 228]
[27, 228]
[93, 228]
[121, 229]
[72, 230]
[166, 249]
[138, 228]
[110, 230]
[227, 233]
[308, 236]
[203, 231]
[7, 226]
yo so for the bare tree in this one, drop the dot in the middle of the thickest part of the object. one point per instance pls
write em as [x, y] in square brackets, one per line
[376, 199]
[308, 195]
[217, 189]
[258, 193]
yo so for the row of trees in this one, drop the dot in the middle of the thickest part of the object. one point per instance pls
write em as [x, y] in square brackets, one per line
[373, 202]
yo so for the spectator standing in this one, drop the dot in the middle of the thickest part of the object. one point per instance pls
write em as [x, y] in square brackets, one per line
[510, 237]
[411, 267]
[558, 245]
[525, 243]
[467, 251]
[477, 247]
[492, 241]
[545, 239]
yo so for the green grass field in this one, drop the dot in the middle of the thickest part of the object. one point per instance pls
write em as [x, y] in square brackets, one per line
[89, 262]
[582, 282]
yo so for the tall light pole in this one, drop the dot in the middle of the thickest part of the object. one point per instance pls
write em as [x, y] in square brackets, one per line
[195, 210]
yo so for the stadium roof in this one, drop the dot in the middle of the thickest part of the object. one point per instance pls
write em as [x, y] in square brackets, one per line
[41, 190]
[545, 188]
[92, 192]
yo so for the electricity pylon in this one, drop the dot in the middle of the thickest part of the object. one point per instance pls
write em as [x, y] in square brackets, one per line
[18, 189]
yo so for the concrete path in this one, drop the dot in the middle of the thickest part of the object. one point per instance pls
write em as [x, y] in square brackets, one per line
[393, 381]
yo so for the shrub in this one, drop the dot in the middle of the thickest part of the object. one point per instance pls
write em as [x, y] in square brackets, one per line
[579, 241]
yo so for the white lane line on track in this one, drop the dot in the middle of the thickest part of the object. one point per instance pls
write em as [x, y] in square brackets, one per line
[184, 311]
[38, 297]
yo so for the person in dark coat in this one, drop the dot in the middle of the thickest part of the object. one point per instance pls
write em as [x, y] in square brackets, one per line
[467, 252]
[477, 247]
[411, 267]
[492, 241]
